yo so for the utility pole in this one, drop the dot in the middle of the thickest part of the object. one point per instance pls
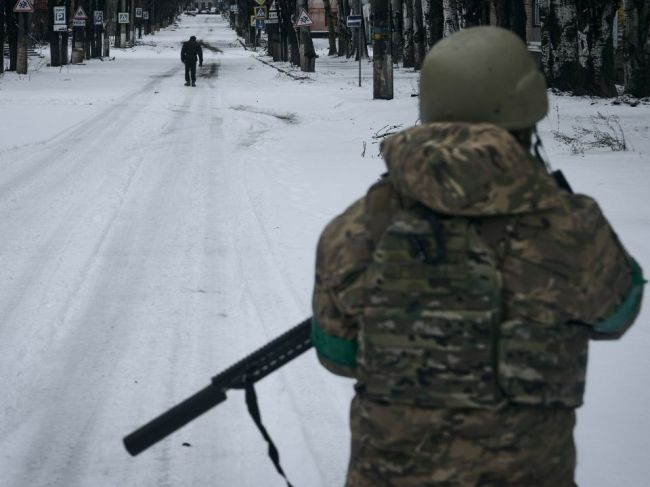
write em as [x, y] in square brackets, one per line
[382, 62]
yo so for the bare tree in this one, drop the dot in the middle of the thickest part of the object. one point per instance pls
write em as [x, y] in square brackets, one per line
[577, 46]
[407, 34]
[331, 32]
[419, 34]
[2, 36]
[460, 14]
[436, 19]
[452, 15]
[398, 26]
[287, 8]
[11, 22]
[636, 42]
[511, 14]
[345, 37]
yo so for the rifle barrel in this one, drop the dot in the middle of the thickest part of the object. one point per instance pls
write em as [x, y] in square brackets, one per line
[248, 370]
[173, 419]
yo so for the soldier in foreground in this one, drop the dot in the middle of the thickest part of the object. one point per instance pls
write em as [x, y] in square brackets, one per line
[189, 53]
[461, 291]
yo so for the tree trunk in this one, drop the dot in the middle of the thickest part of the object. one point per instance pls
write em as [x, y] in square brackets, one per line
[345, 34]
[577, 46]
[397, 9]
[407, 34]
[382, 65]
[21, 54]
[437, 20]
[110, 6]
[427, 23]
[331, 31]
[419, 37]
[452, 17]
[2, 35]
[287, 8]
[12, 35]
[511, 14]
[636, 45]
[597, 31]
[518, 22]
[474, 12]
[89, 34]
[361, 42]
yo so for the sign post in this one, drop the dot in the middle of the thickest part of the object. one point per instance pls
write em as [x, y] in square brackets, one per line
[60, 25]
[123, 19]
[79, 23]
[138, 16]
[355, 21]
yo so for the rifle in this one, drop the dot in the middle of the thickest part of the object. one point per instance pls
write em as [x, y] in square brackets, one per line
[241, 375]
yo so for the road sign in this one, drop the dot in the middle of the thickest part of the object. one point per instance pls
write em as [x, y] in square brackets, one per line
[78, 23]
[59, 27]
[303, 19]
[145, 15]
[259, 24]
[353, 21]
[272, 21]
[122, 17]
[234, 9]
[273, 14]
[260, 2]
[98, 15]
[259, 12]
[59, 15]
[253, 20]
[138, 13]
[80, 14]
[23, 6]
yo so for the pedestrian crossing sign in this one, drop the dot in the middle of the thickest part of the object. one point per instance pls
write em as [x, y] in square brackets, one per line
[23, 6]
[80, 14]
[303, 19]
[259, 12]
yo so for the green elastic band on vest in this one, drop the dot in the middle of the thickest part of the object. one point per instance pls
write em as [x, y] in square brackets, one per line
[337, 350]
[628, 310]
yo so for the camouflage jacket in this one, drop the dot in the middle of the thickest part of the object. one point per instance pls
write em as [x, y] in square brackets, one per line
[466, 277]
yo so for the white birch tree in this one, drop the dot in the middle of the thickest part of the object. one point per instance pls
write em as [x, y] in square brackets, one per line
[577, 46]
[636, 42]
[407, 34]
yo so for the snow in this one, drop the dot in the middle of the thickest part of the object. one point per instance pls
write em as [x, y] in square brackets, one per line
[153, 234]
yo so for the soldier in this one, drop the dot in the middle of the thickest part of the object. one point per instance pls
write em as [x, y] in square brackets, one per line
[461, 291]
[190, 51]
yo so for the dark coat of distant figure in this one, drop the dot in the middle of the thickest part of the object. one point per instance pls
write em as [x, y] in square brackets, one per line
[189, 53]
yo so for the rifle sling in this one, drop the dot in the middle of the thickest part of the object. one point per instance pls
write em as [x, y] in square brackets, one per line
[253, 409]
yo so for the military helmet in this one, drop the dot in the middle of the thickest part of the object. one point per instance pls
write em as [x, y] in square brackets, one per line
[482, 74]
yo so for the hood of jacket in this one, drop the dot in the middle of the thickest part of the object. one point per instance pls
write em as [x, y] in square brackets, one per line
[468, 169]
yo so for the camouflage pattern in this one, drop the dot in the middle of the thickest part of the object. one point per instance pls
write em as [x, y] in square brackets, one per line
[507, 446]
[472, 283]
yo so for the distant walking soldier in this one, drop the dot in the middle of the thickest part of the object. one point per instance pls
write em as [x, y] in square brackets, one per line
[189, 53]
[461, 291]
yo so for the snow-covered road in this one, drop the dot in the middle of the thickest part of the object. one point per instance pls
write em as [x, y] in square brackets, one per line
[136, 264]
[152, 234]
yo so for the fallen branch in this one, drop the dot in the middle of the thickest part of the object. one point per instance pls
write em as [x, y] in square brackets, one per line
[284, 71]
